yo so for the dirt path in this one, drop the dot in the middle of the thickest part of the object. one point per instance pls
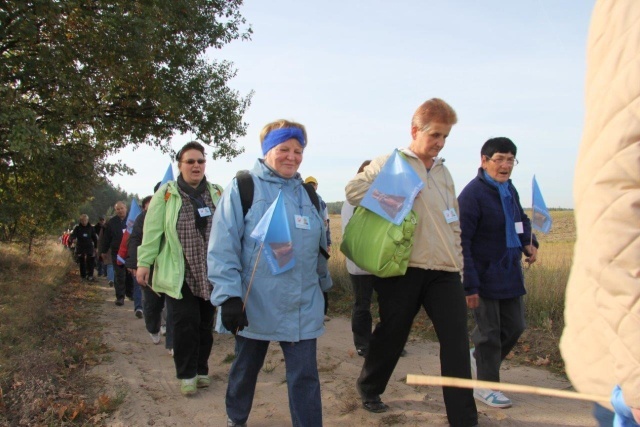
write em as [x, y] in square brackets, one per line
[145, 372]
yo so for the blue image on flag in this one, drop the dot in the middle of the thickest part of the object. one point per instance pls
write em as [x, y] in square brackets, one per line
[168, 176]
[540, 216]
[274, 234]
[392, 193]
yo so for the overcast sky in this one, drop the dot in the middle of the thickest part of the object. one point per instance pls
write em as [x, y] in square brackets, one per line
[353, 73]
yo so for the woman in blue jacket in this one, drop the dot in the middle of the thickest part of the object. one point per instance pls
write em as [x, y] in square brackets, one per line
[495, 234]
[259, 306]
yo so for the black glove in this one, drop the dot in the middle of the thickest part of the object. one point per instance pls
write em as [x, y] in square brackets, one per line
[234, 318]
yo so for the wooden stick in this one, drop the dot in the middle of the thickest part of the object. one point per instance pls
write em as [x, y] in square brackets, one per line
[516, 388]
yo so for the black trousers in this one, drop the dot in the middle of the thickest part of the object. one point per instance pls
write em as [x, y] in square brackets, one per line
[87, 264]
[192, 333]
[361, 320]
[399, 299]
[123, 282]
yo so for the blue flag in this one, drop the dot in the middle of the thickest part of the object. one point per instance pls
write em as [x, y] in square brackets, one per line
[392, 192]
[134, 211]
[273, 231]
[168, 176]
[541, 219]
[123, 251]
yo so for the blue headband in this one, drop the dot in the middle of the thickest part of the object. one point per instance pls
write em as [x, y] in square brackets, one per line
[279, 136]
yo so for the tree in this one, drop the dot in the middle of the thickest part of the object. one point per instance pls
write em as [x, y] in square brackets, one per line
[81, 79]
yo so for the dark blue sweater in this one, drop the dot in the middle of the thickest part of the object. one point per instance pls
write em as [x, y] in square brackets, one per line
[491, 269]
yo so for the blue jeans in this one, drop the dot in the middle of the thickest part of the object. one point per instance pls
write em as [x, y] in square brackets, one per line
[603, 415]
[303, 381]
[137, 294]
[110, 272]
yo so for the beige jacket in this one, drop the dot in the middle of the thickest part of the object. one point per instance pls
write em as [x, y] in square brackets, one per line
[601, 340]
[436, 244]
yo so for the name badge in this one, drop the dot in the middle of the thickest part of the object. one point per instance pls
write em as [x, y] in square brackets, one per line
[204, 212]
[519, 228]
[450, 215]
[302, 222]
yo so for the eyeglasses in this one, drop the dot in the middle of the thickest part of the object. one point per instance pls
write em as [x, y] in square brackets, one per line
[193, 161]
[502, 160]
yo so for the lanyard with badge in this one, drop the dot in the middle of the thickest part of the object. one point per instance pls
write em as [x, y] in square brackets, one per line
[450, 214]
[203, 210]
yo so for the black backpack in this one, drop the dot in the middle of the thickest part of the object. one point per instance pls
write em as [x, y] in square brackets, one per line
[246, 187]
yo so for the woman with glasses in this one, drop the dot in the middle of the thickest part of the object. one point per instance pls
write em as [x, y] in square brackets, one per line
[175, 239]
[495, 234]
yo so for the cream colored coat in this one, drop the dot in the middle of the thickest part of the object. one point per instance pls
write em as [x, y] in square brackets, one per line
[601, 340]
[436, 245]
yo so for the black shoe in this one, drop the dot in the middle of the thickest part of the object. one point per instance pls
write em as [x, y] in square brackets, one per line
[375, 406]
[90, 279]
[111, 283]
[362, 352]
[119, 301]
[371, 403]
[139, 313]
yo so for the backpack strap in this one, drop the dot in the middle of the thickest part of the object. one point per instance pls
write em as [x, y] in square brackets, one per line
[316, 202]
[313, 196]
[245, 186]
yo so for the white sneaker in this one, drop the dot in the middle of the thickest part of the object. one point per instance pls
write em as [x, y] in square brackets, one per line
[474, 367]
[171, 352]
[155, 338]
[163, 330]
[492, 398]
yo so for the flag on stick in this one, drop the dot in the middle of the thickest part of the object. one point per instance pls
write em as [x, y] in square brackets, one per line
[540, 217]
[392, 192]
[123, 251]
[168, 176]
[273, 233]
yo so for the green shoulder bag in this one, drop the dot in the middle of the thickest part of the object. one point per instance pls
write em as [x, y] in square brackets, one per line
[377, 245]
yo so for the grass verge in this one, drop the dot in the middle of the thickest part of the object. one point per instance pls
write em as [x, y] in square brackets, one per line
[48, 339]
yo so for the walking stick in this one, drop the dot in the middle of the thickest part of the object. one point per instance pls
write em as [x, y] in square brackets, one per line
[516, 388]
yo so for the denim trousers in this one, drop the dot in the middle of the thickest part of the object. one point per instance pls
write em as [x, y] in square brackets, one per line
[361, 321]
[110, 273]
[100, 267]
[499, 324]
[400, 298]
[137, 294]
[192, 333]
[303, 381]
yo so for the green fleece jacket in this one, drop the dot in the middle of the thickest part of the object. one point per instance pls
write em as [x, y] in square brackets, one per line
[160, 243]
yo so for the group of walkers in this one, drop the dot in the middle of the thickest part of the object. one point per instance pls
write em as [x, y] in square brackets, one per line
[194, 249]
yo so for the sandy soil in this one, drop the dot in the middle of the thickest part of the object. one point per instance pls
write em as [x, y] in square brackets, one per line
[145, 372]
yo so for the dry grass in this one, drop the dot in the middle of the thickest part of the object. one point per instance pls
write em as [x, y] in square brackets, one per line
[48, 339]
[545, 281]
